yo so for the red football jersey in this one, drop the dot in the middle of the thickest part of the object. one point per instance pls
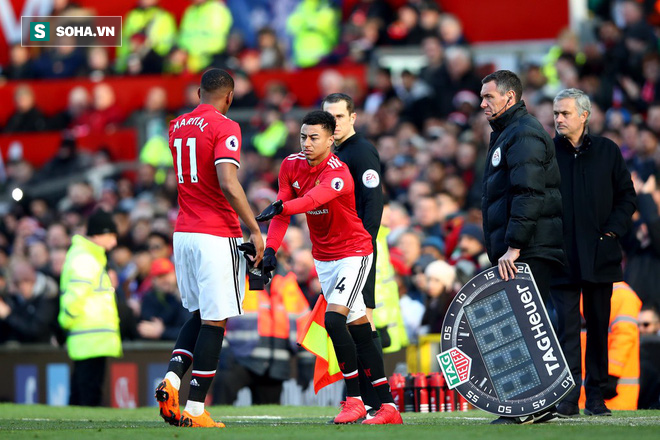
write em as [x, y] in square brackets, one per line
[199, 140]
[325, 194]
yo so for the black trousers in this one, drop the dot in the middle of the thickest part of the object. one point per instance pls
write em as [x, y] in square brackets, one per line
[596, 299]
[87, 381]
[542, 271]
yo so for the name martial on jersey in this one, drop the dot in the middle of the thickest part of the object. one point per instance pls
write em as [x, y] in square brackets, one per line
[198, 121]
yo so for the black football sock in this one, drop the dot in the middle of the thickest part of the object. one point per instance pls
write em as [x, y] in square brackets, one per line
[335, 325]
[369, 395]
[372, 360]
[206, 356]
[182, 355]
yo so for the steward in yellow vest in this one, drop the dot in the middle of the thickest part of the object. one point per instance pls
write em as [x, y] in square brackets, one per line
[88, 309]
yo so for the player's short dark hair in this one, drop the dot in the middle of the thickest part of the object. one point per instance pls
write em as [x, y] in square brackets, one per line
[505, 80]
[216, 80]
[334, 98]
[319, 117]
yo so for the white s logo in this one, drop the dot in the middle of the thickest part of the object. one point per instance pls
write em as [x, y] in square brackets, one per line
[40, 31]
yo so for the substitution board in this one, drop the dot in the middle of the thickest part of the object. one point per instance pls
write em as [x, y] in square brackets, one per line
[499, 349]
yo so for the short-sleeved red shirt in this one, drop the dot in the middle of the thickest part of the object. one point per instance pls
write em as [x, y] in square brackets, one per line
[325, 194]
[199, 140]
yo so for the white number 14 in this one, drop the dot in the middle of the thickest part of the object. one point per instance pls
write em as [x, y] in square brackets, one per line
[192, 144]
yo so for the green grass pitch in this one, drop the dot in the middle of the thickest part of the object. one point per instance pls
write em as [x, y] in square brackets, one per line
[281, 422]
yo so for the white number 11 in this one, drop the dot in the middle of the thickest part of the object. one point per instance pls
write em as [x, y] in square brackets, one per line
[192, 144]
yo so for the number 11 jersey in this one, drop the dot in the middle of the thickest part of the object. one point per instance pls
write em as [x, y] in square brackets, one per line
[200, 140]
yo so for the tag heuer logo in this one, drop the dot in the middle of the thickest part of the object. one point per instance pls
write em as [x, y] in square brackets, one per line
[455, 366]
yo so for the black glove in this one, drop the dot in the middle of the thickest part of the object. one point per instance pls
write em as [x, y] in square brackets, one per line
[270, 260]
[257, 276]
[271, 211]
[248, 249]
[385, 340]
[609, 390]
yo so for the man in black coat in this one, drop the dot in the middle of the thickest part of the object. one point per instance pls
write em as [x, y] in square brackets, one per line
[521, 203]
[363, 161]
[598, 201]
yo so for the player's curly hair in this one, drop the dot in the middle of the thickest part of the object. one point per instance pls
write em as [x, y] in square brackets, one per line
[322, 118]
[216, 80]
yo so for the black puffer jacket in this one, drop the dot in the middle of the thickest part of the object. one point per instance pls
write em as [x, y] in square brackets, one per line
[521, 203]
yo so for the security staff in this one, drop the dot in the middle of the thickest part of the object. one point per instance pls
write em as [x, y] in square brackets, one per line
[364, 164]
[88, 309]
[598, 203]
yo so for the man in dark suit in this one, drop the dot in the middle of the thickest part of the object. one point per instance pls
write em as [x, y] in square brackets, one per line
[598, 202]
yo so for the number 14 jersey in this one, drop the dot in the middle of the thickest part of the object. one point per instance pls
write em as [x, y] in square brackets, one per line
[200, 140]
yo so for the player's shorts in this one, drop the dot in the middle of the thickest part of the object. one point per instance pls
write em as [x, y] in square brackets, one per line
[210, 273]
[369, 290]
[342, 282]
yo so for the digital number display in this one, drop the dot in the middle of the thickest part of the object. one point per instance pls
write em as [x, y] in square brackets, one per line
[502, 346]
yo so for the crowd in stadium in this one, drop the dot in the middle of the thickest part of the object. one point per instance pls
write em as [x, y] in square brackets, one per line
[427, 126]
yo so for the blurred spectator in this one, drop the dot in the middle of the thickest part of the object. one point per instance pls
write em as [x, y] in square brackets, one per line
[405, 30]
[98, 64]
[67, 161]
[27, 116]
[190, 99]
[28, 314]
[397, 219]
[244, 94]
[648, 321]
[150, 120]
[470, 257]
[60, 62]
[20, 64]
[429, 18]
[273, 135]
[162, 314]
[37, 253]
[105, 114]
[434, 246]
[434, 55]
[203, 33]
[57, 237]
[642, 243]
[314, 27]
[271, 55]
[382, 91]
[440, 290]
[79, 199]
[451, 31]
[147, 37]
[426, 219]
[78, 104]
[457, 75]
[159, 246]
[410, 245]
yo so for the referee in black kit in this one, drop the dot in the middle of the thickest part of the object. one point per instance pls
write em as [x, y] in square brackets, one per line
[364, 163]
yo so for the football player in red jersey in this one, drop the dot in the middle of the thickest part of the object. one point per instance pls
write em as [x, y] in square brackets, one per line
[317, 183]
[210, 270]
